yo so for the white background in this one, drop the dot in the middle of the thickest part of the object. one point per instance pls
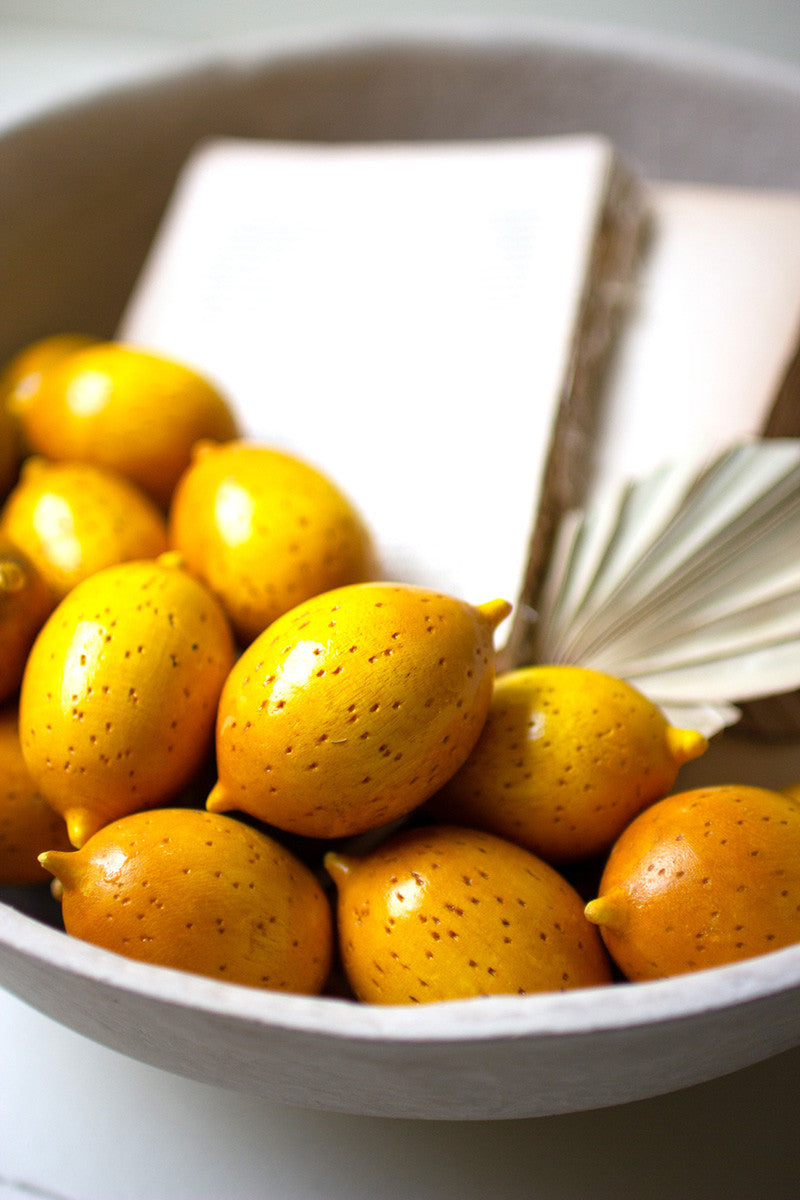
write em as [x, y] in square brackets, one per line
[82, 1123]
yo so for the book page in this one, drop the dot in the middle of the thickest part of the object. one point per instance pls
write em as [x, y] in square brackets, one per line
[402, 316]
[714, 326]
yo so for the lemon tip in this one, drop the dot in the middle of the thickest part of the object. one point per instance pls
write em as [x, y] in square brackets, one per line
[686, 744]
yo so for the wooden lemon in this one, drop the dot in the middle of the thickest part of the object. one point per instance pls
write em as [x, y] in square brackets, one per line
[121, 407]
[28, 825]
[703, 878]
[25, 604]
[74, 519]
[265, 531]
[200, 892]
[119, 696]
[350, 710]
[566, 758]
[447, 913]
[21, 377]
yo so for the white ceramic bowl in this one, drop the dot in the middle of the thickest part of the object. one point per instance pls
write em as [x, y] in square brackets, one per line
[81, 190]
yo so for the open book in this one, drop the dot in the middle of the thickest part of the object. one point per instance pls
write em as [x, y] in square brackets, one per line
[475, 339]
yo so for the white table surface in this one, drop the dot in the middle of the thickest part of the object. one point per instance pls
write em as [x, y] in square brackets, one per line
[79, 1122]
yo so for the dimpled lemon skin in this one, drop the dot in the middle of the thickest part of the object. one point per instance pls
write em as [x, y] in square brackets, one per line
[351, 709]
[701, 879]
[119, 695]
[75, 519]
[445, 913]
[566, 759]
[28, 825]
[265, 531]
[25, 604]
[200, 892]
[125, 408]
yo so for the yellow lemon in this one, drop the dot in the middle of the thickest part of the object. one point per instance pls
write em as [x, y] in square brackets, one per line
[203, 893]
[566, 758]
[351, 709]
[265, 531]
[25, 604]
[20, 378]
[119, 695]
[447, 913]
[74, 519]
[701, 879]
[125, 408]
[22, 375]
[28, 825]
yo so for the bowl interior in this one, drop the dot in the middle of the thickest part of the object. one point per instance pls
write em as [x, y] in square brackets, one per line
[81, 193]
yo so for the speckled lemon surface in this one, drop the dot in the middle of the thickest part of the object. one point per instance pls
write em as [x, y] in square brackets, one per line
[350, 710]
[201, 892]
[265, 531]
[566, 759]
[445, 913]
[125, 408]
[119, 696]
[74, 519]
[700, 879]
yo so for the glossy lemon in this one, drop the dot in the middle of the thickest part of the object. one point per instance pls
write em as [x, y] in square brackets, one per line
[126, 408]
[119, 695]
[351, 709]
[198, 892]
[21, 377]
[445, 913]
[28, 825]
[701, 879]
[265, 531]
[74, 519]
[25, 604]
[566, 759]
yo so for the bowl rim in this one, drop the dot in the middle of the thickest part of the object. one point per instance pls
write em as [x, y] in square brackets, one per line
[327, 41]
[581, 1011]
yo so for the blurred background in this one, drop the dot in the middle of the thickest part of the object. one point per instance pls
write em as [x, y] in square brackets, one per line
[52, 48]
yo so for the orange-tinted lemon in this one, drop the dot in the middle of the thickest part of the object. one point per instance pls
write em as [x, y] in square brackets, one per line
[446, 913]
[200, 892]
[700, 879]
[28, 825]
[74, 519]
[25, 604]
[566, 758]
[123, 407]
[351, 709]
[265, 531]
[20, 378]
[119, 696]
[22, 375]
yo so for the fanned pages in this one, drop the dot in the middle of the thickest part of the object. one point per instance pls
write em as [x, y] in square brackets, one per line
[686, 583]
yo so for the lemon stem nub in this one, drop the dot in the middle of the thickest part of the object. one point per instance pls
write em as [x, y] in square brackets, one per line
[81, 824]
[218, 800]
[685, 744]
[606, 911]
[61, 864]
[338, 866]
[495, 611]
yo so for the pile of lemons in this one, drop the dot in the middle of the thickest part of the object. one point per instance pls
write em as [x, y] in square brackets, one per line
[236, 750]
